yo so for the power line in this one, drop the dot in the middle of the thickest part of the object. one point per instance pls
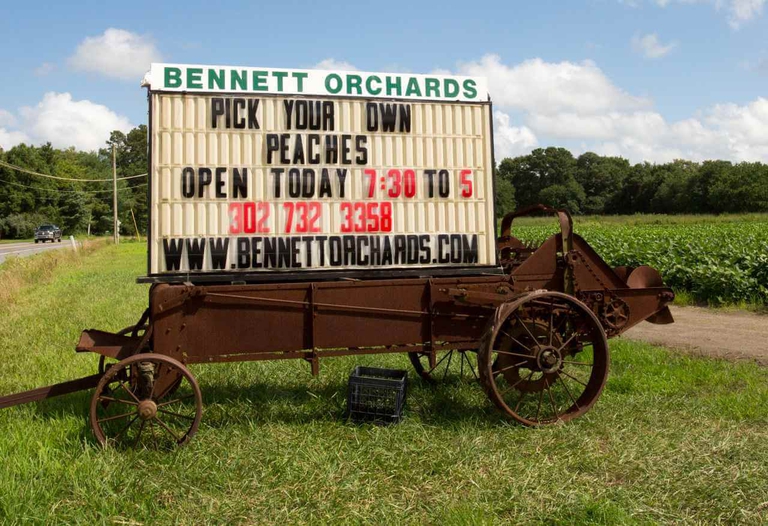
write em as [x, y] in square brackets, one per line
[72, 191]
[30, 172]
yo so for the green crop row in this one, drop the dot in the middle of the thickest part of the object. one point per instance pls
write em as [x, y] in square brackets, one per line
[716, 263]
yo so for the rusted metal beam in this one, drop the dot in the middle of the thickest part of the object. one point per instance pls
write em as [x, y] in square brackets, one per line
[41, 393]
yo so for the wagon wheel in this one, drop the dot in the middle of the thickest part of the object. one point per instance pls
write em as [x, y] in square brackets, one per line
[544, 358]
[135, 403]
[451, 364]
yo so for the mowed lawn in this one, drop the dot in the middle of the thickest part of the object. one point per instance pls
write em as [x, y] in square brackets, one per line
[673, 439]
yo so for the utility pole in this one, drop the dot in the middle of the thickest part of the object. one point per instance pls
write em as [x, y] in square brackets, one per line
[114, 194]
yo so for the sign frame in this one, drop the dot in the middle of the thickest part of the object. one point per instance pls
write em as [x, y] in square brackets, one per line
[289, 275]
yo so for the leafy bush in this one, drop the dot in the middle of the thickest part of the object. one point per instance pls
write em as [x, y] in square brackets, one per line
[716, 262]
[20, 226]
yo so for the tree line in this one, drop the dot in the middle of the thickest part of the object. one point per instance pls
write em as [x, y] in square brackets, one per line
[27, 201]
[587, 184]
[604, 185]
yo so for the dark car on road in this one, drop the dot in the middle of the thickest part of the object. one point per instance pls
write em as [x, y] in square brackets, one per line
[47, 233]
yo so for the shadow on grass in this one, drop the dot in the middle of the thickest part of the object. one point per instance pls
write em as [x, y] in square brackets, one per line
[231, 404]
[442, 405]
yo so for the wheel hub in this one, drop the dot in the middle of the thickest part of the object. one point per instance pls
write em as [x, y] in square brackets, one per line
[147, 409]
[548, 359]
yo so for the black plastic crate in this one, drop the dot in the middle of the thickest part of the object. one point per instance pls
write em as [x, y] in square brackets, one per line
[376, 395]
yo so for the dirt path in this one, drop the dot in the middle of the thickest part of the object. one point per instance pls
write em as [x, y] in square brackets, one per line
[731, 335]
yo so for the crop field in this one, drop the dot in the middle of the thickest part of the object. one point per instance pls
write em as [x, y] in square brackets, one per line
[673, 439]
[715, 260]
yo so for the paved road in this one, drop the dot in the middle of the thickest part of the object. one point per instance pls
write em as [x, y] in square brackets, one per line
[27, 248]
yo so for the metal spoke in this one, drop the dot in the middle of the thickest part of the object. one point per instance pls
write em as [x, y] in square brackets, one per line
[526, 328]
[162, 424]
[461, 366]
[116, 417]
[552, 400]
[551, 319]
[567, 341]
[439, 362]
[128, 391]
[169, 388]
[515, 354]
[154, 436]
[176, 414]
[538, 409]
[516, 340]
[572, 378]
[515, 385]
[120, 400]
[176, 400]
[568, 391]
[447, 367]
[497, 373]
[472, 369]
[578, 363]
[138, 434]
[123, 430]
[562, 322]
[520, 400]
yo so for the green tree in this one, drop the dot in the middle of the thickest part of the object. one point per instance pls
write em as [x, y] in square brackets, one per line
[543, 168]
[504, 198]
[637, 191]
[700, 185]
[601, 178]
[743, 188]
[673, 195]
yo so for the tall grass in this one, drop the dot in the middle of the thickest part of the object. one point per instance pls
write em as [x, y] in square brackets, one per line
[673, 439]
[19, 272]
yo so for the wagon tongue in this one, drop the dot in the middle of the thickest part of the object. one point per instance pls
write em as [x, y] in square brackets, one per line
[50, 391]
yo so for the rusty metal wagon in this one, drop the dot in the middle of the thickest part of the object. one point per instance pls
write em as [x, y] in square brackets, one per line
[533, 332]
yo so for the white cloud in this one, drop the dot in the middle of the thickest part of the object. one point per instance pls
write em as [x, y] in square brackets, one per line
[7, 118]
[650, 46]
[726, 131]
[117, 53]
[332, 63]
[743, 11]
[511, 141]
[63, 122]
[738, 11]
[44, 69]
[577, 104]
[745, 127]
[9, 139]
[547, 87]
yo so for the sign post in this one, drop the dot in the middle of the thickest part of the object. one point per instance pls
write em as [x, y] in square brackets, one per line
[116, 237]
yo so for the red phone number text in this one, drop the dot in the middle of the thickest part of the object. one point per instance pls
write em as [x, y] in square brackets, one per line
[304, 217]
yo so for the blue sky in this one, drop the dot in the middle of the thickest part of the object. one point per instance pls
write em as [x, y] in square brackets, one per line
[645, 79]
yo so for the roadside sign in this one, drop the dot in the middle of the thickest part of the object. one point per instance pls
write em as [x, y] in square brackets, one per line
[260, 171]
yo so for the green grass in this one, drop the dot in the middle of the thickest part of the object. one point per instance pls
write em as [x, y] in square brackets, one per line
[8, 241]
[674, 439]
